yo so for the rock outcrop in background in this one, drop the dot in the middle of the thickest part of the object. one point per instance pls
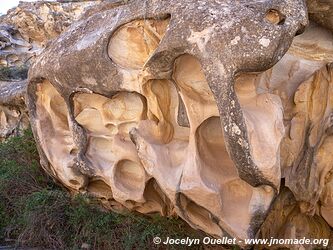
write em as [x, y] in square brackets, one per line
[165, 108]
[27, 29]
[24, 32]
[13, 111]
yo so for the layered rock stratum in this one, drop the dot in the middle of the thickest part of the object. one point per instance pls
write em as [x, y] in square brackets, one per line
[219, 112]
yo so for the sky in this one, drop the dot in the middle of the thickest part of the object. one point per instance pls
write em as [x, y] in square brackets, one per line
[7, 4]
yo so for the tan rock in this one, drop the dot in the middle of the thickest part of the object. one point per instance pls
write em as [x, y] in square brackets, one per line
[152, 108]
[13, 112]
[27, 28]
[24, 33]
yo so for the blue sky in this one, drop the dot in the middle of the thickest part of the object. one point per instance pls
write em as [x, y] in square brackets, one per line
[7, 4]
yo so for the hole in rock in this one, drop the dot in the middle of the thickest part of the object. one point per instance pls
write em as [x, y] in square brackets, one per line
[100, 189]
[191, 80]
[130, 175]
[199, 216]
[53, 130]
[182, 118]
[74, 182]
[104, 116]
[301, 30]
[219, 167]
[275, 17]
[161, 101]
[156, 200]
[133, 43]
[125, 106]
[74, 151]
[108, 122]
[263, 115]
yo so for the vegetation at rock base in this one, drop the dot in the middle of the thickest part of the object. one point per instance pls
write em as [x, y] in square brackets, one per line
[35, 212]
[13, 73]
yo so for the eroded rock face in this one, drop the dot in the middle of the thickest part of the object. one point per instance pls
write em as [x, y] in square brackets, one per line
[27, 28]
[24, 33]
[303, 80]
[321, 12]
[156, 110]
[287, 221]
[13, 112]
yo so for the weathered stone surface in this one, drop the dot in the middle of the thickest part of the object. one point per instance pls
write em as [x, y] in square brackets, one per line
[287, 221]
[24, 33]
[27, 28]
[13, 111]
[156, 112]
[303, 80]
[321, 11]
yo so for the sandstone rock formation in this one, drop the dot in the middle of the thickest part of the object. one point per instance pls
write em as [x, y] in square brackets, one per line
[303, 81]
[13, 111]
[321, 12]
[27, 28]
[193, 109]
[24, 33]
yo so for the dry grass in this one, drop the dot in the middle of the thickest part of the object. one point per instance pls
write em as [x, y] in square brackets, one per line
[34, 212]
